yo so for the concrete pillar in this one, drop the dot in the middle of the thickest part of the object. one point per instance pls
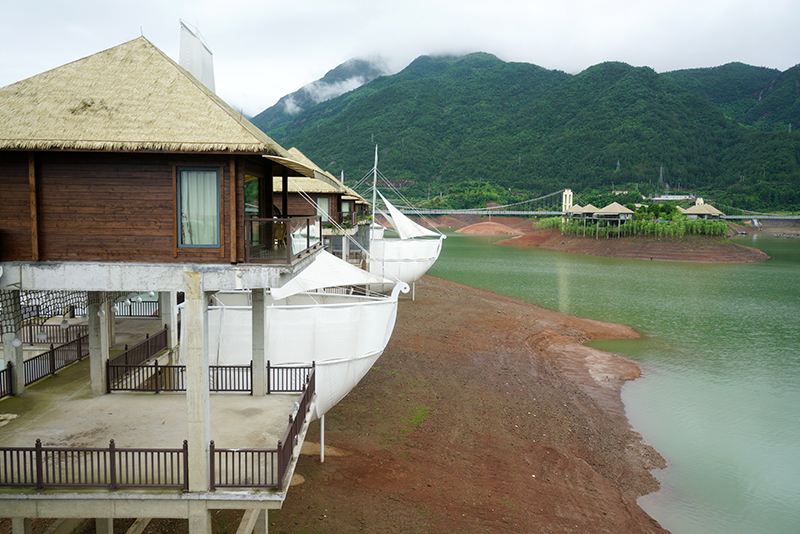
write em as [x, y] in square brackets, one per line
[104, 525]
[195, 353]
[13, 354]
[199, 516]
[21, 525]
[345, 247]
[259, 344]
[112, 327]
[98, 342]
[262, 524]
[168, 313]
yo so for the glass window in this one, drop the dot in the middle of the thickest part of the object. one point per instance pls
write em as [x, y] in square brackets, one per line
[323, 208]
[198, 207]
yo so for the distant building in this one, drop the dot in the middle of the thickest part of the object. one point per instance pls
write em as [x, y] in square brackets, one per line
[672, 198]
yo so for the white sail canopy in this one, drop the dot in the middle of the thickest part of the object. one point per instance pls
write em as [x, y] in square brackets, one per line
[326, 271]
[407, 228]
[196, 57]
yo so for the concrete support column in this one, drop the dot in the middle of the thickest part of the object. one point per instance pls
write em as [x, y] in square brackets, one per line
[168, 313]
[262, 524]
[107, 313]
[21, 525]
[98, 342]
[259, 343]
[345, 248]
[199, 516]
[104, 525]
[13, 354]
[195, 353]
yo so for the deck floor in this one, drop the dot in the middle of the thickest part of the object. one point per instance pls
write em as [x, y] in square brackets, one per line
[61, 411]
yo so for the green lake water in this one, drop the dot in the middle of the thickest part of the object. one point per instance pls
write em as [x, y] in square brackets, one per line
[720, 395]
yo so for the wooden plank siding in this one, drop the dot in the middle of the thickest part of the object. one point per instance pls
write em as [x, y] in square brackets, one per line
[113, 207]
[300, 207]
[15, 220]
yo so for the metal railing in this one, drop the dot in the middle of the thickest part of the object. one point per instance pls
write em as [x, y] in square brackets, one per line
[281, 241]
[41, 334]
[56, 358]
[7, 380]
[137, 309]
[94, 467]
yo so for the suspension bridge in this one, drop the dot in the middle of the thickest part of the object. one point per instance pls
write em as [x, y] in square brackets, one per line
[553, 204]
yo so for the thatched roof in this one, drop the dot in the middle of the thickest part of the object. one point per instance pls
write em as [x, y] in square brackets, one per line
[590, 208]
[575, 209]
[306, 185]
[323, 175]
[703, 209]
[131, 97]
[615, 208]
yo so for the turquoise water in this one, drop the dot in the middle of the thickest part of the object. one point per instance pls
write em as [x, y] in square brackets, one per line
[720, 396]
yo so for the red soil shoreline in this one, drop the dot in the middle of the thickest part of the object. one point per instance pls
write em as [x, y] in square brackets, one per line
[694, 249]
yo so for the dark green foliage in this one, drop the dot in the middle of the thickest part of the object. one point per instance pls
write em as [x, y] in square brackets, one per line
[445, 121]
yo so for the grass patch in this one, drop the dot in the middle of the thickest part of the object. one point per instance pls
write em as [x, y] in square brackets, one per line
[418, 416]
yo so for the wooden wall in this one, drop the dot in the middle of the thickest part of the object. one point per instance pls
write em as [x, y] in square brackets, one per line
[15, 220]
[115, 207]
[299, 206]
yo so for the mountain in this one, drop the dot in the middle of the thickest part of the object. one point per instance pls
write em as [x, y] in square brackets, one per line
[348, 76]
[758, 96]
[516, 129]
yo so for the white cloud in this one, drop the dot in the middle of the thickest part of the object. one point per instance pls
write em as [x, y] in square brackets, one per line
[291, 107]
[266, 49]
[320, 91]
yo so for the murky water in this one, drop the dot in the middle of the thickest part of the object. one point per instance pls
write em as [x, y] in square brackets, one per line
[720, 398]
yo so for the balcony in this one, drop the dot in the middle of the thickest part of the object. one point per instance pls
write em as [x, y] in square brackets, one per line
[281, 241]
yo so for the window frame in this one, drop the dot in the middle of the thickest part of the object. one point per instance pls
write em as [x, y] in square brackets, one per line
[218, 171]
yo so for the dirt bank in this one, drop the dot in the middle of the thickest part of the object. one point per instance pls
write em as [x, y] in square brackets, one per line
[485, 414]
[488, 228]
[693, 249]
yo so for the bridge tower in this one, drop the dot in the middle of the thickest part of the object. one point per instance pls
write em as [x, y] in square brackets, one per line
[566, 200]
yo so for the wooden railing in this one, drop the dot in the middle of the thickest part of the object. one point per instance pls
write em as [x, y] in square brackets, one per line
[56, 358]
[94, 467]
[7, 380]
[153, 378]
[42, 334]
[287, 379]
[262, 468]
[287, 444]
[156, 378]
[243, 468]
[142, 351]
[110, 467]
[281, 241]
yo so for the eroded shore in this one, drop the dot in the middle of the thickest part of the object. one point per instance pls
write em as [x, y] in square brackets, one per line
[484, 414]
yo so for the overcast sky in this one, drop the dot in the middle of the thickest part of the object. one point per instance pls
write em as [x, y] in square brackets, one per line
[265, 49]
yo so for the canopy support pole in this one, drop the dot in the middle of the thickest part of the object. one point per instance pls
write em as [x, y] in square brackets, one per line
[413, 291]
[322, 439]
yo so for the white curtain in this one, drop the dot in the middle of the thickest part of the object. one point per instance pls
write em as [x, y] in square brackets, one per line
[199, 209]
[323, 208]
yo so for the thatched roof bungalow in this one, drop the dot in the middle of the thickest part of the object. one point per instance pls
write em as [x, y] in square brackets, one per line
[615, 212]
[703, 211]
[125, 156]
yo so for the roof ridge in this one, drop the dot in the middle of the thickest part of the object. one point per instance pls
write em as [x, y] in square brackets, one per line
[246, 124]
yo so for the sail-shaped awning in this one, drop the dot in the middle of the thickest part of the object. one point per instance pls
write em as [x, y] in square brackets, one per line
[326, 271]
[407, 228]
